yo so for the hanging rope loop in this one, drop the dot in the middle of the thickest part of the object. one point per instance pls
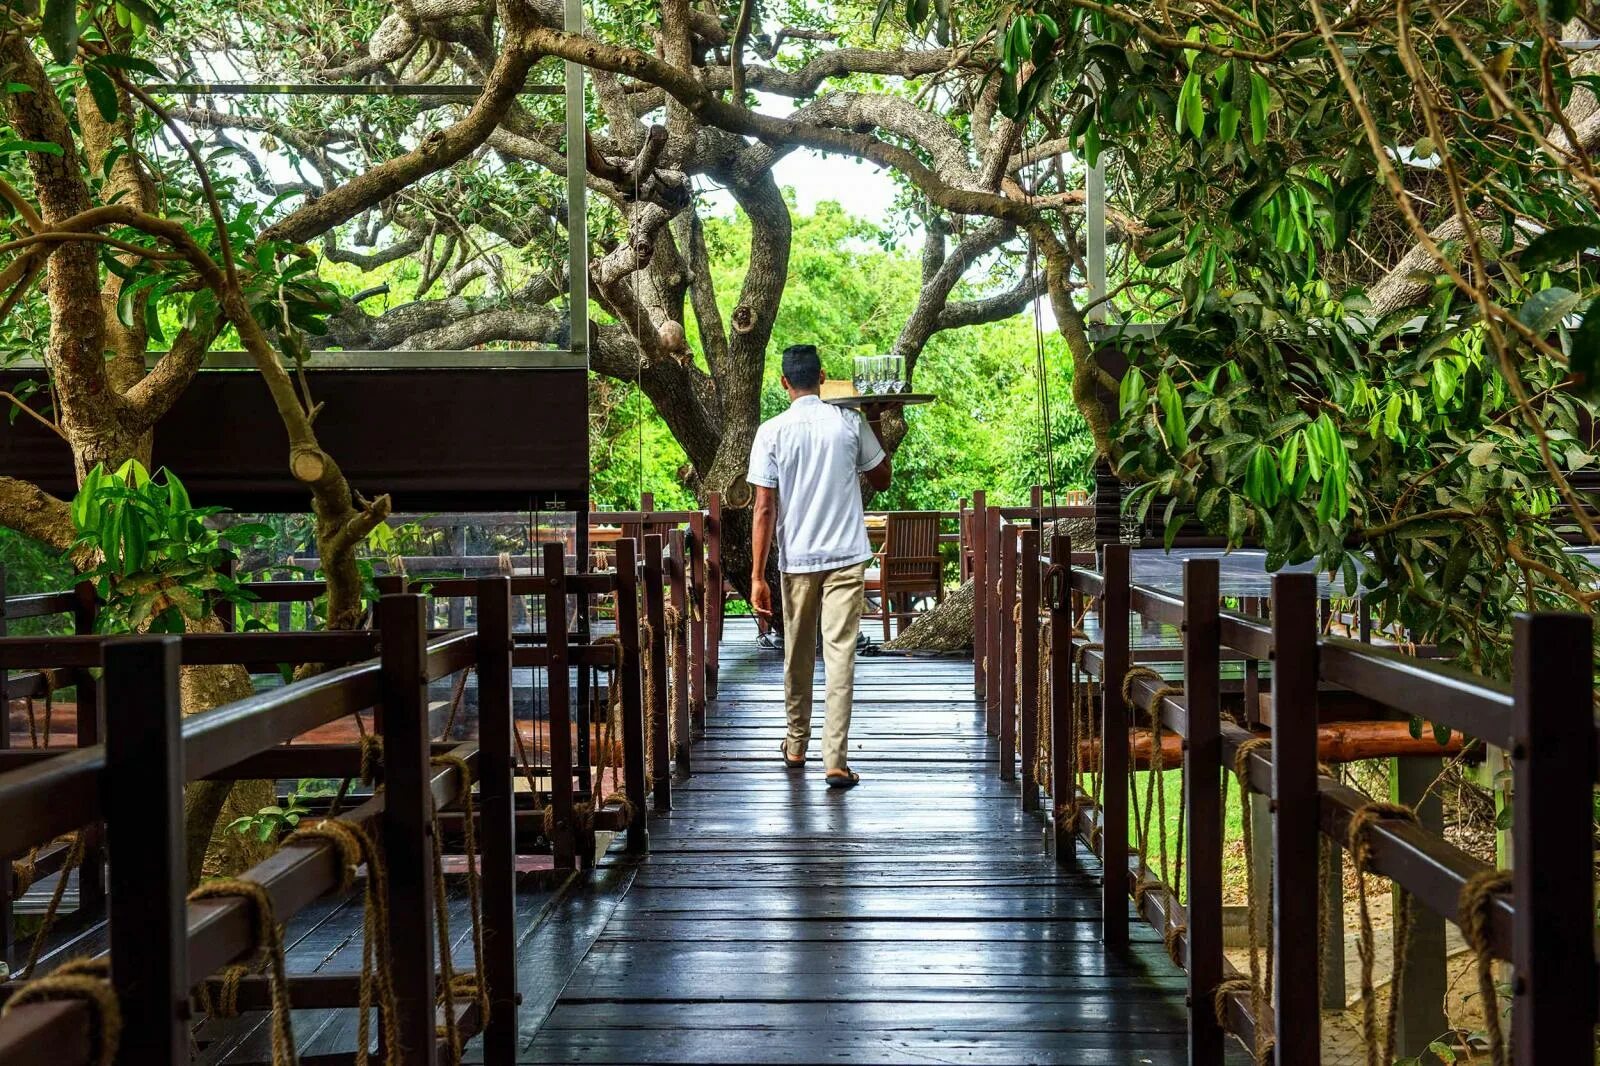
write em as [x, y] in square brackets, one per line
[86, 980]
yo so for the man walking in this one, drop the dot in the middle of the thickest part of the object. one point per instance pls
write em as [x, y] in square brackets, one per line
[804, 466]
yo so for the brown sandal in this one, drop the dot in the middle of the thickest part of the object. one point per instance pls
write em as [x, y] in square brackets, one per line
[793, 764]
[843, 779]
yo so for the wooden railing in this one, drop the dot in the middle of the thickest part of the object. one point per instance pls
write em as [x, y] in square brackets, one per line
[132, 782]
[1543, 926]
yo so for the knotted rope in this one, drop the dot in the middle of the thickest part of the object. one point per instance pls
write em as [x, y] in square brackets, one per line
[1380, 1046]
[73, 860]
[451, 984]
[356, 846]
[647, 677]
[1260, 990]
[455, 703]
[1083, 714]
[677, 627]
[611, 729]
[86, 980]
[1155, 795]
[1044, 755]
[1476, 897]
[269, 943]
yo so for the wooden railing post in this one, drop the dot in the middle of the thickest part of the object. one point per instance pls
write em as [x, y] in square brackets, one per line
[714, 584]
[91, 871]
[655, 617]
[1202, 764]
[977, 532]
[992, 627]
[1028, 680]
[1114, 754]
[627, 675]
[1008, 652]
[1296, 824]
[1553, 772]
[497, 815]
[1425, 982]
[564, 844]
[143, 794]
[1063, 740]
[7, 932]
[407, 820]
[677, 574]
[695, 542]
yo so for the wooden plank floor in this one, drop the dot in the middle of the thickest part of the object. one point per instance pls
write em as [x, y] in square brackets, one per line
[918, 918]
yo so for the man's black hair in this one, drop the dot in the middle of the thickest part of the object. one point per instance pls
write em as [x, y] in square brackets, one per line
[802, 366]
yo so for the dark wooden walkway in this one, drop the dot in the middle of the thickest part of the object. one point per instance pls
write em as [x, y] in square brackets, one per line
[918, 918]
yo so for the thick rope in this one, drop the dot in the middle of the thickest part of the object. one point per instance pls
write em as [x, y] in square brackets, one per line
[1476, 897]
[677, 627]
[269, 942]
[356, 846]
[647, 676]
[73, 860]
[1044, 752]
[452, 985]
[1083, 692]
[1380, 1045]
[1260, 990]
[86, 980]
[1219, 1000]
[456, 700]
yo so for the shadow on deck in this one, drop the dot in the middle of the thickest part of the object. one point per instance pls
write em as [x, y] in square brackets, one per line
[919, 918]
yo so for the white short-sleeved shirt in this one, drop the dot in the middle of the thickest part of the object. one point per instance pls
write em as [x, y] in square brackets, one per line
[811, 454]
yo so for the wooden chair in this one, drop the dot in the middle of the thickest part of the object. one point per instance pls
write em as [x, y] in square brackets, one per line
[909, 565]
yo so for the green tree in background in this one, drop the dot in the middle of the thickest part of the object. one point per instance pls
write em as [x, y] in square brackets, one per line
[847, 294]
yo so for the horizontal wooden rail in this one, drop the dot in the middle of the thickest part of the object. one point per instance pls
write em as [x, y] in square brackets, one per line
[1155, 605]
[38, 605]
[1477, 706]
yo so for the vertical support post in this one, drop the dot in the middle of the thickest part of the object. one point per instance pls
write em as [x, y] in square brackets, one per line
[561, 768]
[714, 586]
[7, 933]
[1202, 764]
[407, 820]
[1295, 821]
[1028, 680]
[92, 870]
[1333, 903]
[1553, 772]
[991, 625]
[1426, 980]
[655, 617]
[977, 530]
[633, 771]
[676, 572]
[143, 794]
[1114, 754]
[497, 815]
[577, 190]
[1008, 652]
[698, 594]
[1036, 505]
[963, 541]
[1094, 211]
[1063, 740]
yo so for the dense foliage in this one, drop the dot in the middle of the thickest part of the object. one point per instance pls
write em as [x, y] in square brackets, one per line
[1354, 258]
[983, 432]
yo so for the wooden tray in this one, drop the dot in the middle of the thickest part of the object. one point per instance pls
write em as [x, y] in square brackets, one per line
[888, 399]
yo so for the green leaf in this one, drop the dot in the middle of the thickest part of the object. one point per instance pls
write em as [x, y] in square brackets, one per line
[1165, 257]
[12, 145]
[103, 90]
[1558, 246]
[59, 27]
[1441, 733]
[1132, 391]
[1545, 309]
[1260, 99]
[1416, 727]
[146, 12]
[1173, 421]
[1227, 121]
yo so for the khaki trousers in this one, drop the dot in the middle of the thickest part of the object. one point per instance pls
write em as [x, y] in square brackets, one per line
[835, 597]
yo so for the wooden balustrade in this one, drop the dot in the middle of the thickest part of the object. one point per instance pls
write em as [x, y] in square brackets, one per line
[160, 946]
[1544, 717]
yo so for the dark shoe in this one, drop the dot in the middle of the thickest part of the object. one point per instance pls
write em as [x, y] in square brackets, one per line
[843, 779]
[793, 764]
